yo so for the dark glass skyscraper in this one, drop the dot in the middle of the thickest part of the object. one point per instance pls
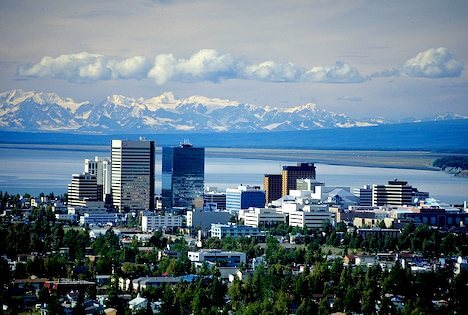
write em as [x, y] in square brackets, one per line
[183, 175]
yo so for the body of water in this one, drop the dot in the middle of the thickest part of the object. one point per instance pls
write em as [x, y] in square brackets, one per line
[46, 169]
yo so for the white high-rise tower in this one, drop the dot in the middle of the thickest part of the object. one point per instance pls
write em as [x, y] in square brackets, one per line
[133, 175]
[101, 168]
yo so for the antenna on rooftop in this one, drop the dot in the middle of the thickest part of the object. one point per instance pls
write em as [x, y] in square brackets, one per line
[185, 144]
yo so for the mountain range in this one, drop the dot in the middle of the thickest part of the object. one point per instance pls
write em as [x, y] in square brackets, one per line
[37, 111]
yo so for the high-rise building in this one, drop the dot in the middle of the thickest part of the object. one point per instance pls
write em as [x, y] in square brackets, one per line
[82, 188]
[272, 186]
[365, 195]
[101, 168]
[291, 174]
[395, 193]
[244, 197]
[183, 176]
[133, 175]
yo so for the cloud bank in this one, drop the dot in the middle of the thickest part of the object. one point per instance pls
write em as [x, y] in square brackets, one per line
[433, 63]
[210, 65]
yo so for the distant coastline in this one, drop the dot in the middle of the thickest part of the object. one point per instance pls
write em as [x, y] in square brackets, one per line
[418, 160]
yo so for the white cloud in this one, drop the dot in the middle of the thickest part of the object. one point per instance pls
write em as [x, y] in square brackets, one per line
[80, 67]
[207, 64]
[131, 68]
[339, 73]
[272, 71]
[433, 63]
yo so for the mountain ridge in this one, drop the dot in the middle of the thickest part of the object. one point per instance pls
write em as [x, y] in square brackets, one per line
[37, 111]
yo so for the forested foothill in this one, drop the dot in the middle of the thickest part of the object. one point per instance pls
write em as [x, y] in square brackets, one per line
[452, 161]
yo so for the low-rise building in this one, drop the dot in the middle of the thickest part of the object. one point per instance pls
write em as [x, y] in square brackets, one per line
[102, 218]
[213, 196]
[137, 304]
[365, 260]
[260, 217]
[203, 219]
[151, 223]
[94, 233]
[66, 217]
[144, 283]
[217, 256]
[232, 230]
[378, 232]
[310, 219]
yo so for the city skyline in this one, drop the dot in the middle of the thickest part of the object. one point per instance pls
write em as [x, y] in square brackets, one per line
[362, 58]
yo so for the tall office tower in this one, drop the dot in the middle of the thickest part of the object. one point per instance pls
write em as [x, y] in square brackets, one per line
[272, 184]
[133, 175]
[244, 197]
[291, 174]
[183, 176]
[101, 168]
[395, 193]
[82, 188]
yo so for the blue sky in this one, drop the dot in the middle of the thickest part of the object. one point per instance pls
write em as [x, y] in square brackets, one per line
[364, 58]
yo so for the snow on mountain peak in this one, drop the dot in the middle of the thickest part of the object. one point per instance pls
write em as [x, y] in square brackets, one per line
[308, 106]
[166, 100]
[28, 110]
[209, 102]
[18, 96]
[119, 100]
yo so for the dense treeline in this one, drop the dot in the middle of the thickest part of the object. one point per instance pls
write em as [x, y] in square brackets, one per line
[452, 161]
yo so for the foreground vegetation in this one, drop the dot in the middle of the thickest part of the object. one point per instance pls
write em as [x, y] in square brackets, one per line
[305, 279]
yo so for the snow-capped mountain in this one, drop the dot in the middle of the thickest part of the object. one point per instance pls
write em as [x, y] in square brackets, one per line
[36, 111]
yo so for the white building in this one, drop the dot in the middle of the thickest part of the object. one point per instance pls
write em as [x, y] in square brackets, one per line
[133, 175]
[138, 304]
[310, 219]
[218, 256]
[96, 232]
[102, 169]
[232, 230]
[150, 223]
[102, 218]
[87, 205]
[304, 208]
[204, 219]
[258, 217]
[335, 195]
[82, 187]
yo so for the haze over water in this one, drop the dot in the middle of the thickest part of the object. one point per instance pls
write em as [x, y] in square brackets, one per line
[43, 170]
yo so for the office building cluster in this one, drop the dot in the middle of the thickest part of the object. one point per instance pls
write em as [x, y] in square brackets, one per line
[279, 185]
[125, 182]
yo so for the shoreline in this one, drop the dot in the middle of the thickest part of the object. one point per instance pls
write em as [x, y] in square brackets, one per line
[415, 160]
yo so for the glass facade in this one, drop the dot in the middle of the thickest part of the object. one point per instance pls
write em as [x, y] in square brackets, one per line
[183, 175]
